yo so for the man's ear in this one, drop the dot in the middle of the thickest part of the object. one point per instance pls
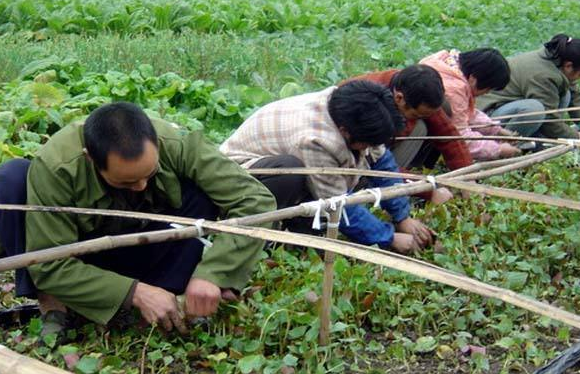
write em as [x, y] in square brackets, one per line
[399, 99]
[568, 66]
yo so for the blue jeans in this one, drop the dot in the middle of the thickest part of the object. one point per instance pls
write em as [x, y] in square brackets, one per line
[526, 106]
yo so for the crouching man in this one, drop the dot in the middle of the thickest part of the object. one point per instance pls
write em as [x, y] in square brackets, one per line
[120, 159]
[346, 127]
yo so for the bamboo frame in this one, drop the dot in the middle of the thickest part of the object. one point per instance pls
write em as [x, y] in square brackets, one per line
[15, 363]
[551, 111]
[491, 137]
[482, 125]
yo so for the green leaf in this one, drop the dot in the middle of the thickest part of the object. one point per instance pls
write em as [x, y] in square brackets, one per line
[218, 357]
[290, 360]
[39, 65]
[155, 356]
[338, 327]
[49, 340]
[251, 363]
[516, 280]
[35, 327]
[87, 365]
[506, 342]
[297, 332]
[113, 361]
[290, 89]
[425, 344]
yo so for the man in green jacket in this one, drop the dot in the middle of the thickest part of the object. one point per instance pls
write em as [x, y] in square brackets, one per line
[120, 159]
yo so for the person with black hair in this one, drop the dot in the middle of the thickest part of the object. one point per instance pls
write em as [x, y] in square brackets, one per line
[468, 75]
[346, 127]
[541, 80]
[120, 159]
[419, 95]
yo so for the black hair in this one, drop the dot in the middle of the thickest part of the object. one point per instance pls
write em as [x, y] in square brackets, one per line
[488, 66]
[562, 48]
[420, 84]
[367, 111]
[119, 127]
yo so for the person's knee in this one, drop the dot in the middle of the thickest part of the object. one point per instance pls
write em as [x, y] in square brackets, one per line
[533, 105]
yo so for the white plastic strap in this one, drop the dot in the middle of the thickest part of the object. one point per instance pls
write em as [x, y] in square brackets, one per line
[314, 208]
[376, 192]
[198, 225]
[339, 202]
[431, 179]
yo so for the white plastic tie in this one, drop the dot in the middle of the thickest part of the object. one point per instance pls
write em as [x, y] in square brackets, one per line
[376, 192]
[314, 208]
[339, 202]
[199, 226]
[431, 179]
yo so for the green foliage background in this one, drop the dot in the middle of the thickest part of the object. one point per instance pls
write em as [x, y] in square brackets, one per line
[209, 65]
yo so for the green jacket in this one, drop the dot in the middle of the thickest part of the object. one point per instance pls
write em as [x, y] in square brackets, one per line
[61, 175]
[533, 77]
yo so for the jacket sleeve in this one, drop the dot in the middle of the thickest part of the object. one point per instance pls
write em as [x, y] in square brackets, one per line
[481, 149]
[230, 262]
[458, 97]
[365, 227]
[547, 91]
[91, 291]
[455, 152]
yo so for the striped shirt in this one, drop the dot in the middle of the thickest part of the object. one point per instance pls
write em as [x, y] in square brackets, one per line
[302, 127]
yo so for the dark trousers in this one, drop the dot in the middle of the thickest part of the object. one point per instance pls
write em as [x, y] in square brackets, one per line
[168, 265]
[289, 190]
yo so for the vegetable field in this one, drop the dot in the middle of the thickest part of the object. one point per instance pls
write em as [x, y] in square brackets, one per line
[209, 65]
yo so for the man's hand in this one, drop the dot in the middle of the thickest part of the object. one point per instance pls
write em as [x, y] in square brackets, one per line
[158, 306]
[506, 132]
[423, 236]
[507, 150]
[202, 298]
[441, 196]
[404, 243]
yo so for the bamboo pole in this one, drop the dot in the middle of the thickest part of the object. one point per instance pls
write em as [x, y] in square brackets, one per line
[387, 174]
[482, 125]
[94, 245]
[411, 266]
[491, 137]
[327, 285]
[497, 163]
[332, 171]
[15, 363]
[558, 151]
[511, 193]
[551, 111]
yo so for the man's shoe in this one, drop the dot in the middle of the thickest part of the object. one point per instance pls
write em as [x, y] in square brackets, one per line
[54, 322]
